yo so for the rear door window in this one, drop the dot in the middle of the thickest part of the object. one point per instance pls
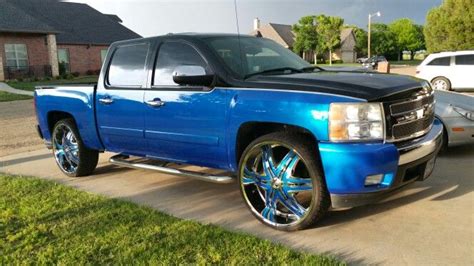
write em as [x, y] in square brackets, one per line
[127, 67]
[465, 60]
[441, 61]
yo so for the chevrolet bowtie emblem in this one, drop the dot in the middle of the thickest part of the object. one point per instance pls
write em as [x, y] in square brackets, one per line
[420, 113]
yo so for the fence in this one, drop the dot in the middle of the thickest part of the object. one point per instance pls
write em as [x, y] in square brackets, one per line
[39, 71]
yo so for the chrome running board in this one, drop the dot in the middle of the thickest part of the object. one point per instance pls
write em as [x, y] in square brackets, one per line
[120, 160]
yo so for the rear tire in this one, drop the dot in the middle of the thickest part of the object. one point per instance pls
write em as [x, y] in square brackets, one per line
[71, 155]
[441, 83]
[282, 183]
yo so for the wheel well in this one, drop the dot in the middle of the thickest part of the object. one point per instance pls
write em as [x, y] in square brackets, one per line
[440, 77]
[445, 132]
[250, 131]
[56, 116]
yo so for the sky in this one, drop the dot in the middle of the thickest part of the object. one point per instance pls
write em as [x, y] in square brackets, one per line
[158, 17]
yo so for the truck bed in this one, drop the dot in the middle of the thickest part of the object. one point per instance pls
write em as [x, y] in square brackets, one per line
[53, 101]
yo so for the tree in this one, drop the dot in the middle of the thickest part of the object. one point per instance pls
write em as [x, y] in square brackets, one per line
[408, 36]
[450, 26]
[361, 40]
[383, 41]
[306, 36]
[329, 31]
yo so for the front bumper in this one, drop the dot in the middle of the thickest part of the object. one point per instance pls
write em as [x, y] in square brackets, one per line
[346, 166]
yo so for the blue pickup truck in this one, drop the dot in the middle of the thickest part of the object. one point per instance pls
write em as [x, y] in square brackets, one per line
[298, 139]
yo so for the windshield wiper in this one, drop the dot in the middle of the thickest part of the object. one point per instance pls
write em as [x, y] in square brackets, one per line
[281, 69]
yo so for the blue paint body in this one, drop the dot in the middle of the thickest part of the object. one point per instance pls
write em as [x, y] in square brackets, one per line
[201, 127]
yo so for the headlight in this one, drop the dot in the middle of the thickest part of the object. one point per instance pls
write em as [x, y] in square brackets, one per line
[356, 121]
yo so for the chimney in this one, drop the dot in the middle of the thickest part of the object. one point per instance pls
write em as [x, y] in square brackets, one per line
[256, 23]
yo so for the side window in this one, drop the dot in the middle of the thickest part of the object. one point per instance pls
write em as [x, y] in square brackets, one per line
[465, 60]
[171, 55]
[127, 67]
[441, 61]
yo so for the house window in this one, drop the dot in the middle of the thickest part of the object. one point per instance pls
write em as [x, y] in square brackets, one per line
[103, 54]
[16, 56]
[63, 60]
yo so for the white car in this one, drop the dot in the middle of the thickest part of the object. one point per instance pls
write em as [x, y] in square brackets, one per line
[448, 70]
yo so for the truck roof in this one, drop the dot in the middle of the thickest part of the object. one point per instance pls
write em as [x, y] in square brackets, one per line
[188, 34]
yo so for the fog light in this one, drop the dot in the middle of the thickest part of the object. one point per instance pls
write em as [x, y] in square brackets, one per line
[383, 180]
[429, 168]
[373, 180]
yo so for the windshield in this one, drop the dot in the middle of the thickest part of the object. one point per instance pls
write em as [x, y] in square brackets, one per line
[254, 55]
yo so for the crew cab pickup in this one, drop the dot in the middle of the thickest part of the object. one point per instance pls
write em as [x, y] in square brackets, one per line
[297, 139]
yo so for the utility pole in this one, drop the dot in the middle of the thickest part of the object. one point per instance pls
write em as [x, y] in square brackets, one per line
[368, 32]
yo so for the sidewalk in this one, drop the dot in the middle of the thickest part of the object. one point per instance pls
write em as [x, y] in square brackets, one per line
[4, 87]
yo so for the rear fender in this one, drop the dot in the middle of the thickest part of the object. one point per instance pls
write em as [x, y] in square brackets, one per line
[78, 102]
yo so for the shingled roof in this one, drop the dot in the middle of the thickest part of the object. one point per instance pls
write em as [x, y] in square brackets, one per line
[13, 19]
[74, 23]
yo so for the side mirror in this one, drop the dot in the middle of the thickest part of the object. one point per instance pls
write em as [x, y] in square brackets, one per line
[192, 75]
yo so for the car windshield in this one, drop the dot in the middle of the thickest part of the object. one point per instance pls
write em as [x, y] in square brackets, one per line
[248, 56]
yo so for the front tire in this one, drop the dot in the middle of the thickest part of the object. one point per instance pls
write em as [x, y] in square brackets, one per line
[441, 83]
[282, 183]
[73, 158]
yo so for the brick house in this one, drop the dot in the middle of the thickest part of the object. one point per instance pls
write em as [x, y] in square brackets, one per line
[43, 37]
[284, 35]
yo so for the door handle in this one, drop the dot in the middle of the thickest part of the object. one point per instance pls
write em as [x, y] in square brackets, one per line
[155, 103]
[106, 100]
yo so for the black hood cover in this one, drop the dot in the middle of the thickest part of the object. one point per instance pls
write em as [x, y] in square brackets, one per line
[370, 86]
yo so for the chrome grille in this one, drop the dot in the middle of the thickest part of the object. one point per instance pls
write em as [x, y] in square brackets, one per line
[411, 117]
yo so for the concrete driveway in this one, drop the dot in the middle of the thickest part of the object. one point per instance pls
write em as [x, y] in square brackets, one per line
[427, 223]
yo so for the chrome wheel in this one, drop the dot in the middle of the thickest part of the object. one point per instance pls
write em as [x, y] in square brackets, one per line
[276, 184]
[440, 84]
[66, 149]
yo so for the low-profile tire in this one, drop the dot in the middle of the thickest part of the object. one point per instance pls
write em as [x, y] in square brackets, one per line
[441, 83]
[281, 181]
[71, 155]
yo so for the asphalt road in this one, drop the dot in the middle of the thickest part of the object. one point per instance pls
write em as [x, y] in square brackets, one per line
[17, 128]
[428, 223]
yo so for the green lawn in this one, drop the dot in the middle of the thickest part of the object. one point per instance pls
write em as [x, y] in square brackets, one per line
[42, 222]
[8, 97]
[30, 85]
[406, 62]
[339, 65]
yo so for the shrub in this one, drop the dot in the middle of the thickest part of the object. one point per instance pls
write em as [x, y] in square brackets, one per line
[90, 72]
[76, 74]
[62, 68]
